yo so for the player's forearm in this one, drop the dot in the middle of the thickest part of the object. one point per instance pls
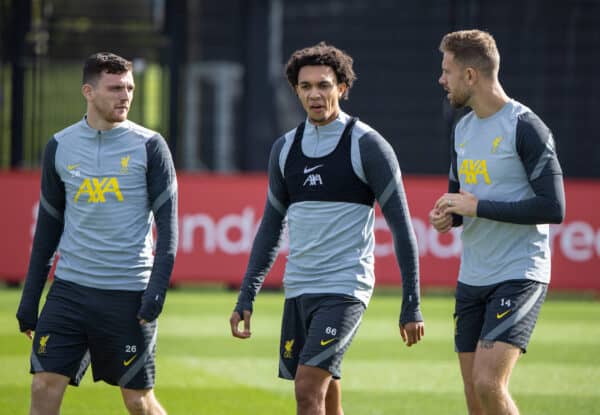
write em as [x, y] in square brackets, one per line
[166, 248]
[394, 207]
[547, 206]
[405, 245]
[262, 255]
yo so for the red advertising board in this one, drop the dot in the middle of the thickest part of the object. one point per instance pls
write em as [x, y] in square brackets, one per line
[219, 215]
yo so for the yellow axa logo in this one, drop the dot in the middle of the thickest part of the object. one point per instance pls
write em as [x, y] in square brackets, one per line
[473, 168]
[125, 164]
[43, 341]
[496, 143]
[96, 189]
[128, 361]
[289, 345]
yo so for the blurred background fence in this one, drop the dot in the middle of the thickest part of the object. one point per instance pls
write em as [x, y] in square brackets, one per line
[209, 74]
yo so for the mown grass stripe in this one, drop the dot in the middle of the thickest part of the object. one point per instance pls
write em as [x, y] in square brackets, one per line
[201, 369]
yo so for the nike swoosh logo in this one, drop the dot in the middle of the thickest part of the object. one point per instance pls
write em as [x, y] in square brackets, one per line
[500, 315]
[72, 166]
[308, 170]
[326, 342]
[128, 362]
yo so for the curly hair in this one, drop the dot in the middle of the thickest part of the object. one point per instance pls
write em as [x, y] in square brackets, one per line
[104, 62]
[322, 54]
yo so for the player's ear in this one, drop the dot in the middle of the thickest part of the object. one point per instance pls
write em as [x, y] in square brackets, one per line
[471, 75]
[86, 90]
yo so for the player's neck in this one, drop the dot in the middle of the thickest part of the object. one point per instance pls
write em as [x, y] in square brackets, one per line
[490, 100]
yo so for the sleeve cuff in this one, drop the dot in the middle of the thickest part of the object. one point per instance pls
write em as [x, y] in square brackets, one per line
[412, 316]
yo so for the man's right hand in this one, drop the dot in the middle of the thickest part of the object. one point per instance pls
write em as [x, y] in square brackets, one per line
[442, 222]
[234, 322]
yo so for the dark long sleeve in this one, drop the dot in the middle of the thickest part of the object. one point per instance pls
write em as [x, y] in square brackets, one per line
[162, 193]
[266, 243]
[383, 175]
[547, 206]
[48, 231]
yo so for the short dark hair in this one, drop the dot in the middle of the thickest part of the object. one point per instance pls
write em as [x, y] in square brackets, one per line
[101, 62]
[474, 48]
[322, 54]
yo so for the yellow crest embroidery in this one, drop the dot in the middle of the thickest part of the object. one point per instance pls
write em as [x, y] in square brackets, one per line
[125, 164]
[43, 341]
[496, 143]
[289, 344]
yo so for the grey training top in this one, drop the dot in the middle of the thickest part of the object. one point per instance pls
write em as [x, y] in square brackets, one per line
[101, 192]
[331, 242]
[508, 161]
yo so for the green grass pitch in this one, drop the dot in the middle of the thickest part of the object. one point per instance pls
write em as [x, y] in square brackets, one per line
[203, 370]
